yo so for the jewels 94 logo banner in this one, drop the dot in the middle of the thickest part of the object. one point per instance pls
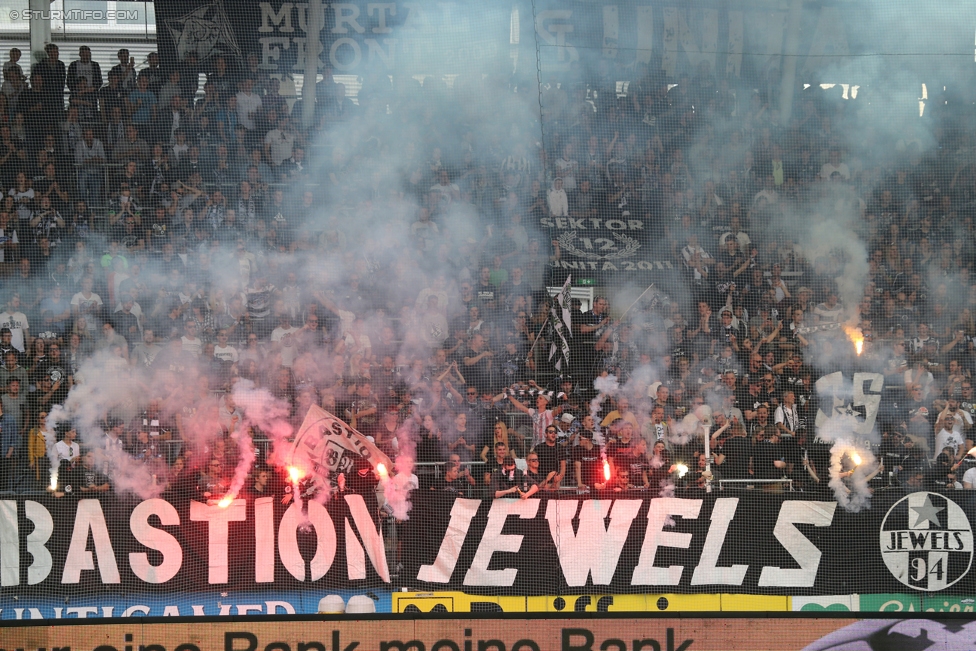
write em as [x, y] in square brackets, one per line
[927, 541]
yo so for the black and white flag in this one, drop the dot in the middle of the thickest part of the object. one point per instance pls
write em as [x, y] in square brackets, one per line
[562, 324]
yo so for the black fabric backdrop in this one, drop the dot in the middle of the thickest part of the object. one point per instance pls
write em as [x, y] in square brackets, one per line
[850, 548]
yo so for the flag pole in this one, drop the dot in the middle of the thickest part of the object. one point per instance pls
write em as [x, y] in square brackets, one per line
[635, 302]
[528, 355]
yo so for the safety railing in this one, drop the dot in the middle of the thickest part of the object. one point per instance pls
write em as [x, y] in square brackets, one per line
[749, 483]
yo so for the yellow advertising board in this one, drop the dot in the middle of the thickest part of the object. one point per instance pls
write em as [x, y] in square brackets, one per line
[460, 602]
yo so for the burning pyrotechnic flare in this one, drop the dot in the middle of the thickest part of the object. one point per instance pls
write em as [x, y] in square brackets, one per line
[295, 474]
[381, 469]
[54, 481]
[681, 469]
[851, 484]
[856, 337]
[225, 502]
[606, 470]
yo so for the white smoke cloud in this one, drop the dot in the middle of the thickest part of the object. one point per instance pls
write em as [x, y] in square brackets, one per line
[851, 468]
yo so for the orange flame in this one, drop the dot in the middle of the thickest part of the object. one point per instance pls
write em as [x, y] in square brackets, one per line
[295, 474]
[856, 337]
[606, 471]
[381, 468]
[224, 503]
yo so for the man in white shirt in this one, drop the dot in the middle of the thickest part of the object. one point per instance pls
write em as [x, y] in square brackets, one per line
[144, 353]
[86, 303]
[946, 438]
[433, 323]
[284, 328]
[542, 416]
[223, 350]
[16, 320]
[278, 142]
[89, 158]
[437, 288]
[830, 311]
[834, 164]
[696, 258]
[961, 420]
[787, 418]
[190, 342]
[558, 201]
[969, 479]
[110, 339]
[448, 191]
[767, 196]
[248, 105]
[229, 414]
[918, 343]
[283, 339]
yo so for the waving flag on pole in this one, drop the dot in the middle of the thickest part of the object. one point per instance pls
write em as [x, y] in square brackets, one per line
[562, 323]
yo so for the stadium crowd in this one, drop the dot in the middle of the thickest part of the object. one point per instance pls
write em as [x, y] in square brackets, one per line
[188, 238]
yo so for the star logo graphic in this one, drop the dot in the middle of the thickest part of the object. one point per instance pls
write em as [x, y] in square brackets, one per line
[847, 410]
[927, 513]
[205, 30]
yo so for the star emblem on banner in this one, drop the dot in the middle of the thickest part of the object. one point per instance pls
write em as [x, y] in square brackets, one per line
[205, 30]
[927, 513]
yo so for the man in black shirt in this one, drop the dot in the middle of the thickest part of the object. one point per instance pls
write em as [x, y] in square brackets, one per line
[587, 461]
[585, 335]
[55, 368]
[127, 324]
[451, 483]
[769, 457]
[753, 399]
[621, 450]
[495, 462]
[512, 365]
[112, 95]
[533, 476]
[263, 484]
[739, 393]
[892, 451]
[6, 344]
[738, 456]
[31, 104]
[508, 481]
[728, 333]
[731, 262]
[54, 73]
[477, 364]
[552, 458]
[85, 480]
[487, 293]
